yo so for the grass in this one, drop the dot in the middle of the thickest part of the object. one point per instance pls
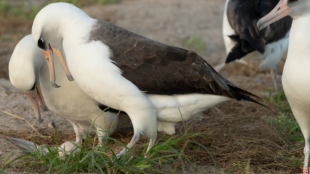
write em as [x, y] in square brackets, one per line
[167, 155]
[244, 165]
[284, 121]
[194, 43]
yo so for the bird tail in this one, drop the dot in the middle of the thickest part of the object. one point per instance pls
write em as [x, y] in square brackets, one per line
[245, 95]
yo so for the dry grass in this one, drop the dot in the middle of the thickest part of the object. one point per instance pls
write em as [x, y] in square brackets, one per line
[237, 132]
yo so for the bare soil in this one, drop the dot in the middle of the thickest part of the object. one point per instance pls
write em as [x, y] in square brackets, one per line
[236, 130]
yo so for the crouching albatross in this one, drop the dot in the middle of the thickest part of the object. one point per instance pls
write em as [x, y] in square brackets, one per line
[296, 73]
[28, 71]
[244, 40]
[146, 79]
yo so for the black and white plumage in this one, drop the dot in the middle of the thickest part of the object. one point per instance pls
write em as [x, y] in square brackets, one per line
[159, 69]
[244, 40]
[148, 80]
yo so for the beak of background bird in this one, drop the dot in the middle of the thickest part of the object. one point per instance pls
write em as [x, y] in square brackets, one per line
[35, 97]
[279, 12]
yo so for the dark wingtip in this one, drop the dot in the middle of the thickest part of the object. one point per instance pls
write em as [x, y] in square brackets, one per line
[243, 92]
[236, 53]
[245, 95]
[230, 57]
[248, 98]
[235, 38]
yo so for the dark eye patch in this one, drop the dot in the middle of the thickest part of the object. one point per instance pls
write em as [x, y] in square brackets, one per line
[41, 44]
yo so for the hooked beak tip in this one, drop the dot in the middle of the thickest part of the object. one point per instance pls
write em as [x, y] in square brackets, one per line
[45, 108]
[261, 25]
[40, 120]
[70, 78]
[54, 84]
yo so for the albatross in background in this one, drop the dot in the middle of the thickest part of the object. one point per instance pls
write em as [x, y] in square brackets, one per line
[146, 79]
[243, 39]
[296, 73]
[28, 71]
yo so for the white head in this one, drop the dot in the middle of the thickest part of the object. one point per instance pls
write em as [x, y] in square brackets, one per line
[47, 32]
[24, 70]
[293, 8]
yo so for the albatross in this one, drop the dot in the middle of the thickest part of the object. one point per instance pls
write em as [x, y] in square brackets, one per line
[146, 79]
[28, 71]
[243, 39]
[296, 73]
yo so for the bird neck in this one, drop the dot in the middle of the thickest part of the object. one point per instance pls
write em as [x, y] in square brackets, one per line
[299, 42]
[75, 31]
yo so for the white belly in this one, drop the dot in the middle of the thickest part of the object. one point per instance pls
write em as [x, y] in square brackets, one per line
[178, 108]
[68, 101]
[296, 81]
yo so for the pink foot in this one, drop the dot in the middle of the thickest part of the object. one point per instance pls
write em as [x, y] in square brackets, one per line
[149, 154]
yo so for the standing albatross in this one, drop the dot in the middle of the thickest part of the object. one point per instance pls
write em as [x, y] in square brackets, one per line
[296, 73]
[125, 71]
[28, 71]
[243, 39]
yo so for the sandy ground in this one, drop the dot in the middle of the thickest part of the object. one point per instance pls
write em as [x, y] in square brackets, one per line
[165, 21]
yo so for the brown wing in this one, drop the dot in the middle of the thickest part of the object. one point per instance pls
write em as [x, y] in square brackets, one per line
[156, 68]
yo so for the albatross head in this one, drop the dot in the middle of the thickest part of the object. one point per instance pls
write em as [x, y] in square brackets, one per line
[46, 34]
[24, 69]
[293, 8]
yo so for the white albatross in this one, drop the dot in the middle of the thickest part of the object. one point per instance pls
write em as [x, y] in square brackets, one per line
[28, 71]
[296, 73]
[146, 79]
[243, 40]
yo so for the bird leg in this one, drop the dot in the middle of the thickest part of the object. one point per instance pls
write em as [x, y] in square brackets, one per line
[151, 144]
[134, 140]
[102, 135]
[78, 139]
[78, 134]
[305, 169]
[274, 74]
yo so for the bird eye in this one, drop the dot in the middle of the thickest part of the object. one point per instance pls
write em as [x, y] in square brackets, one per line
[41, 44]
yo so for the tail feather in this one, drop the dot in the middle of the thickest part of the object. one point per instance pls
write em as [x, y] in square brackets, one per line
[236, 53]
[248, 98]
[243, 92]
[245, 95]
